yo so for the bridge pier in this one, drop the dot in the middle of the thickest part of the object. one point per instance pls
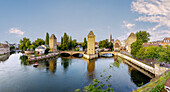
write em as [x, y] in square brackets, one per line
[90, 56]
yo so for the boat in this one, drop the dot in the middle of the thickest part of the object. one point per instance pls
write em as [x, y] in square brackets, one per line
[36, 64]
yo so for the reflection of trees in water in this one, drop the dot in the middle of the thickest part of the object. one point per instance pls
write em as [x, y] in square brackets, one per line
[117, 62]
[139, 78]
[65, 63]
[24, 60]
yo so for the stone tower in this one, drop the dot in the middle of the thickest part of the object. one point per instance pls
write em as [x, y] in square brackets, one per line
[53, 43]
[91, 43]
[111, 40]
[132, 38]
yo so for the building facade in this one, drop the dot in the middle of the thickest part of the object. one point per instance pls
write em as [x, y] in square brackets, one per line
[91, 43]
[165, 41]
[4, 48]
[53, 43]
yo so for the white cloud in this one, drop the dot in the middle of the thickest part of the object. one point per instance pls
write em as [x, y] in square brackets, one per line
[159, 35]
[153, 11]
[16, 31]
[128, 25]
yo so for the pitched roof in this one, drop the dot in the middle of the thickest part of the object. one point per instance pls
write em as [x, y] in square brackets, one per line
[40, 47]
[4, 46]
[53, 37]
[91, 33]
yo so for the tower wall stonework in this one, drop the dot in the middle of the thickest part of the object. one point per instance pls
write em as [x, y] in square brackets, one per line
[91, 43]
[53, 43]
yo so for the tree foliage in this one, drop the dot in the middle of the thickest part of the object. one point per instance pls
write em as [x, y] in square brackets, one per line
[135, 47]
[143, 35]
[162, 54]
[12, 47]
[38, 42]
[105, 44]
[67, 43]
[24, 44]
[84, 44]
[47, 39]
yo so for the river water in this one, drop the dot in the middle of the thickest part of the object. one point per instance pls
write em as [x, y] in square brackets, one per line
[67, 74]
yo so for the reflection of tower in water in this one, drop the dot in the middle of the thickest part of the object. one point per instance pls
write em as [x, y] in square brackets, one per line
[52, 65]
[90, 68]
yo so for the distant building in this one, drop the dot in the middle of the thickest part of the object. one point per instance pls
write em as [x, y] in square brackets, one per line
[150, 44]
[111, 40]
[91, 43]
[40, 50]
[96, 45]
[166, 41]
[4, 48]
[53, 43]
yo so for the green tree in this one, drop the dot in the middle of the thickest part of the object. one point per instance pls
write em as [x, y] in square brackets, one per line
[70, 43]
[105, 44]
[12, 47]
[165, 55]
[38, 42]
[47, 39]
[74, 43]
[32, 47]
[143, 35]
[135, 47]
[84, 44]
[24, 44]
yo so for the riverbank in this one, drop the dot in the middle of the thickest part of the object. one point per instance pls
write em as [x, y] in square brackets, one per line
[156, 84]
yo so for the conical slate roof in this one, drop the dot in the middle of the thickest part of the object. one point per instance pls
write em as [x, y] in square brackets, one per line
[53, 37]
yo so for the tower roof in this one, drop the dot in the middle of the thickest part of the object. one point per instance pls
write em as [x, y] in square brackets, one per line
[91, 33]
[53, 37]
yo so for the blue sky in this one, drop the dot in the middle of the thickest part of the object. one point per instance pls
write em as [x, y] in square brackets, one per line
[33, 18]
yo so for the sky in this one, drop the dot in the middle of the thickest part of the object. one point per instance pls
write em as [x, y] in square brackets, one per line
[33, 18]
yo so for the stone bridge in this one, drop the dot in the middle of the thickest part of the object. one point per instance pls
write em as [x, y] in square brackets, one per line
[108, 52]
[72, 52]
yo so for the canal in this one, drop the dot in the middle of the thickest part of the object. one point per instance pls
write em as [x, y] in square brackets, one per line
[65, 74]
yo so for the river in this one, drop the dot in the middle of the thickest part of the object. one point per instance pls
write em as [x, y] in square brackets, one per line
[65, 74]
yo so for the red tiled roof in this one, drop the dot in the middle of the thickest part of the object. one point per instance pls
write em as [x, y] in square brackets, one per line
[4, 45]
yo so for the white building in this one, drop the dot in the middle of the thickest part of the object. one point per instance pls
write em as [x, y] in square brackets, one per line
[4, 48]
[40, 50]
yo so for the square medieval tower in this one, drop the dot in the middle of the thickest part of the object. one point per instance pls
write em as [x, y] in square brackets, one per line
[53, 43]
[91, 43]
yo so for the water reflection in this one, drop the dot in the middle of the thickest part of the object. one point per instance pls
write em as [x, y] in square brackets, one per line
[24, 60]
[138, 78]
[65, 72]
[4, 57]
[65, 63]
[90, 68]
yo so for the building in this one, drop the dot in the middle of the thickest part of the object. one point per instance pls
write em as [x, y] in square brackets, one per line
[132, 38]
[150, 44]
[91, 43]
[53, 43]
[165, 41]
[111, 39]
[4, 48]
[40, 50]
